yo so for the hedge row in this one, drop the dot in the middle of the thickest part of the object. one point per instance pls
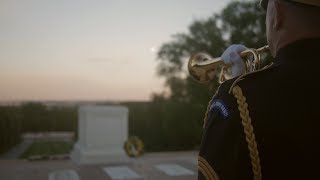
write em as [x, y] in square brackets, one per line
[39, 118]
[10, 128]
[166, 126]
[33, 117]
[162, 126]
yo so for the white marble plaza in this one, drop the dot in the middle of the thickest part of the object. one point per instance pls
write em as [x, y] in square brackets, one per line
[174, 170]
[63, 175]
[121, 172]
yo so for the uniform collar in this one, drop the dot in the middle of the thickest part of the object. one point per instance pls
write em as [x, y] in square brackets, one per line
[299, 52]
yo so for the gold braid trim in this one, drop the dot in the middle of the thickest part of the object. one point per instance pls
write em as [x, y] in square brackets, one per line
[204, 172]
[246, 74]
[248, 130]
[206, 169]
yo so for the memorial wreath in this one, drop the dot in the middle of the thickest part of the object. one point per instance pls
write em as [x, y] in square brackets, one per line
[133, 146]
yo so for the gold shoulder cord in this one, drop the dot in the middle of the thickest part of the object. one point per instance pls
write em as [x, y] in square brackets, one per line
[206, 170]
[250, 138]
[248, 130]
[246, 123]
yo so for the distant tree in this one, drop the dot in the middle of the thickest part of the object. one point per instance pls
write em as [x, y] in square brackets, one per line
[243, 22]
[239, 22]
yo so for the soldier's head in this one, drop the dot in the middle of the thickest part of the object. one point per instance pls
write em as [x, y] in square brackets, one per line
[290, 20]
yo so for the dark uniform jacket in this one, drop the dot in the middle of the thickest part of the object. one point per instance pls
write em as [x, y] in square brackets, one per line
[283, 103]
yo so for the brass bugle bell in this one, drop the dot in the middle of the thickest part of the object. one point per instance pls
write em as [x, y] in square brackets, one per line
[202, 67]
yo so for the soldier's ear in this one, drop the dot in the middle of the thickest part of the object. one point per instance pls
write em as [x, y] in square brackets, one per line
[278, 15]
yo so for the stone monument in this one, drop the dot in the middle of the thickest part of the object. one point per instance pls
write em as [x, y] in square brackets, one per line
[102, 131]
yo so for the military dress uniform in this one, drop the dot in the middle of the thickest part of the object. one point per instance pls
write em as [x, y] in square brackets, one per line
[266, 125]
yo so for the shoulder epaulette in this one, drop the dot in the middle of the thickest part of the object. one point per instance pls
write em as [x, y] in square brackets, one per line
[246, 75]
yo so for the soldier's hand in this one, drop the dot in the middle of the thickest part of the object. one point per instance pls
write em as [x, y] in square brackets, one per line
[231, 57]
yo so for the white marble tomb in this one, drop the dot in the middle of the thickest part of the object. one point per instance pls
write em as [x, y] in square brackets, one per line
[102, 131]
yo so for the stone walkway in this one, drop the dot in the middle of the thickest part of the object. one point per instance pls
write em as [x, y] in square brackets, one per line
[153, 166]
[15, 152]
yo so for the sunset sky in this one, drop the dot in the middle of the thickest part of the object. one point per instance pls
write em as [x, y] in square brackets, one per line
[89, 50]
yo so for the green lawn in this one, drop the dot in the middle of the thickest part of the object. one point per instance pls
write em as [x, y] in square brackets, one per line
[47, 148]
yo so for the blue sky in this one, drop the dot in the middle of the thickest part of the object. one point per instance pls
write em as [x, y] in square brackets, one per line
[89, 50]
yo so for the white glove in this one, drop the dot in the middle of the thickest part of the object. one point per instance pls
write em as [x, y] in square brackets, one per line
[231, 57]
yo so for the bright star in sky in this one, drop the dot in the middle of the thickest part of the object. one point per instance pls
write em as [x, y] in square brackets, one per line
[153, 49]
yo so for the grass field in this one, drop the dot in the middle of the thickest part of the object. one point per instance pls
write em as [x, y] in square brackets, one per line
[47, 148]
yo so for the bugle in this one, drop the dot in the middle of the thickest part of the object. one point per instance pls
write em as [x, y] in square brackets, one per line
[202, 67]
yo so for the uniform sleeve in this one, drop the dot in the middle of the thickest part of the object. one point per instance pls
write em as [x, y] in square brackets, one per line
[218, 154]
